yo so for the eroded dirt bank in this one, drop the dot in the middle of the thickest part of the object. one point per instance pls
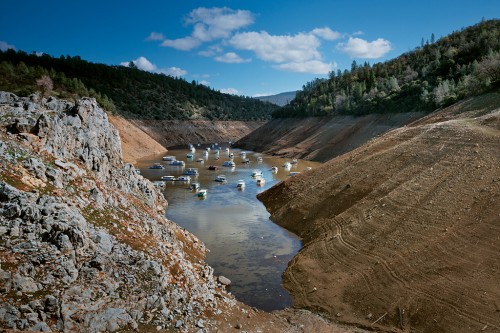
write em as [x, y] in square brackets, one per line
[180, 132]
[136, 143]
[405, 230]
[320, 139]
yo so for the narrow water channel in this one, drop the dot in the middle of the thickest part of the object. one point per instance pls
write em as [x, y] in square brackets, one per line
[245, 246]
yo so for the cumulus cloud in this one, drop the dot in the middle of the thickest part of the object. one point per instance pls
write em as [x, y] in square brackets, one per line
[231, 58]
[299, 48]
[231, 91]
[183, 44]
[211, 51]
[155, 36]
[144, 64]
[173, 71]
[327, 33]
[210, 24]
[4, 46]
[312, 67]
[360, 48]
[204, 82]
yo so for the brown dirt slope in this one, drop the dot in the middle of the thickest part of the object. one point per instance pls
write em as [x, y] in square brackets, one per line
[180, 132]
[320, 139]
[405, 228]
[136, 144]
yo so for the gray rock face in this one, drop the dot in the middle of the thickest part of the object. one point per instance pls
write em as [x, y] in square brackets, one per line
[84, 242]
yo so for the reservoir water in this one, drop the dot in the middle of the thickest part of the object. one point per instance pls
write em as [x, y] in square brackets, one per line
[245, 245]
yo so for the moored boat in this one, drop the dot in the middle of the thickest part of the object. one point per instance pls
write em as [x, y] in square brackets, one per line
[191, 171]
[202, 193]
[168, 178]
[168, 158]
[256, 173]
[261, 181]
[177, 163]
[157, 166]
[195, 186]
[221, 179]
[183, 179]
[241, 185]
[229, 164]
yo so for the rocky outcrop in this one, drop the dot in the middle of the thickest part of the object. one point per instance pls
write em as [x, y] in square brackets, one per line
[84, 244]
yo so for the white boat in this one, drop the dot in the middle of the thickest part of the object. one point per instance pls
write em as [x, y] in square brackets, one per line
[205, 153]
[294, 161]
[168, 178]
[157, 166]
[200, 160]
[256, 173]
[177, 163]
[245, 161]
[202, 193]
[230, 164]
[221, 179]
[195, 186]
[240, 185]
[231, 155]
[274, 169]
[183, 179]
[287, 165]
[168, 158]
[259, 158]
[189, 155]
[293, 173]
[159, 184]
[261, 181]
[192, 150]
[191, 171]
[208, 149]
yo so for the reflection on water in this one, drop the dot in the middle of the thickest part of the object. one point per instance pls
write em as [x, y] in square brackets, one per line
[245, 246]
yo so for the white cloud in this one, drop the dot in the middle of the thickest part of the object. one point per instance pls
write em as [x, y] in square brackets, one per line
[4, 46]
[299, 48]
[231, 58]
[312, 67]
[231, 91]
[211, 24]
[360, 48]
[215, 23]
[204, 82]
[144, 64]
[173, 71]
[327, 33]
[183, 44]
[211, 51]
[155, 36]
[358, 33]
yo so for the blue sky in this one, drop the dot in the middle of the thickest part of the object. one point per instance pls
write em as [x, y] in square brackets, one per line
[246, 47]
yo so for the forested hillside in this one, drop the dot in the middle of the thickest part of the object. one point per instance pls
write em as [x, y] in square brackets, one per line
[128, 91]
[436, 74]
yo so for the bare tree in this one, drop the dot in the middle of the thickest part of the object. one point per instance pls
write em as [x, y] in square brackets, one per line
[46, 85]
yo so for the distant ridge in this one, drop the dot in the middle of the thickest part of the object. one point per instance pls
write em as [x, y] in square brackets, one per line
[281, 99]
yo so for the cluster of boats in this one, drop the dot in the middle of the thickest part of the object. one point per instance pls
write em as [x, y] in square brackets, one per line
[230, 163]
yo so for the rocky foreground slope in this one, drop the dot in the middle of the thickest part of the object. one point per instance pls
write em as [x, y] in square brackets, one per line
[85, 246]
[403, 233]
